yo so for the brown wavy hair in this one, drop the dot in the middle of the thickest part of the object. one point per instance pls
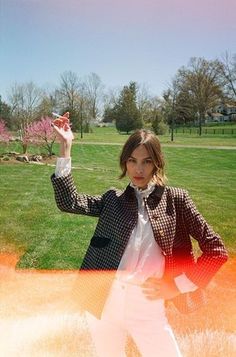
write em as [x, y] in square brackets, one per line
[153, 146]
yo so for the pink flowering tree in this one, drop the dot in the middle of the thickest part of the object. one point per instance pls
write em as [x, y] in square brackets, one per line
[41, 133]
[5, 136]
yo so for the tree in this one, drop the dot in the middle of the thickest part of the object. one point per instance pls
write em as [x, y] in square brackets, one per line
[126, 113]
[94, 90]
[144, 103]
[158, 125]
[228, 72]
[110, 100]
[184, 108]
[5, 136]
[169, 104]
[41, 133]
[5, 113]
[155, 111]
[24, 100]
[201, 83]
[108, 115]
[151, 109]
[47, 105]
[83, 109]
[68, 97]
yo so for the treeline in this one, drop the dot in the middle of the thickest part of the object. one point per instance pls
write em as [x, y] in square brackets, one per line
[194, 92]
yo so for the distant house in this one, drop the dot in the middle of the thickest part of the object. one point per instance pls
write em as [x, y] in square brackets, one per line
[218, 117]
[102, 125]
[222, 113]
[226, 109]
[220, 108]
[231, 111]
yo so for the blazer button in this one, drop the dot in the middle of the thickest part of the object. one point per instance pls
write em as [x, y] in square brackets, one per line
[161, 232]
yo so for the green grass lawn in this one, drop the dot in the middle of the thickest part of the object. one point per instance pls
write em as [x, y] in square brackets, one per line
[110, 135]
[46, 238]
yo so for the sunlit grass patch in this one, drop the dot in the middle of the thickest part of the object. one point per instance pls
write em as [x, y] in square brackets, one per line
[208, 343]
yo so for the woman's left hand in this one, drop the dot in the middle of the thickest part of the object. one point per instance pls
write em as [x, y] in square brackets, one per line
[154, 289]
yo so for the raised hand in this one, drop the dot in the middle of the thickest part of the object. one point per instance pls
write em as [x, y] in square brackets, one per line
[62, 128]
[64, 134]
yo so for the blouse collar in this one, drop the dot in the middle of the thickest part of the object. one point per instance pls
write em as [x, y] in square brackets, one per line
[146, 192]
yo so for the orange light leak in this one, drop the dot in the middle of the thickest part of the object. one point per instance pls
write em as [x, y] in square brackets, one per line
[40, 311]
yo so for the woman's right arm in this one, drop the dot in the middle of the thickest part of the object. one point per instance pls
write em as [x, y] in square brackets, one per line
[66, 195]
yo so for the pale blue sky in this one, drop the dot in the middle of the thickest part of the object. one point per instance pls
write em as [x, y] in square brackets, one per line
[123, 40]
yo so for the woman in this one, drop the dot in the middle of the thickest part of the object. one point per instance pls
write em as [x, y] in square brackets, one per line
[143, 237]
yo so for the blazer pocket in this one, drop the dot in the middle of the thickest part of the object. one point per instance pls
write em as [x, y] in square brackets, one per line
[99, 242]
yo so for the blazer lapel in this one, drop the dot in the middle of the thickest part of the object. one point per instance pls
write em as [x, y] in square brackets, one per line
[163, 218]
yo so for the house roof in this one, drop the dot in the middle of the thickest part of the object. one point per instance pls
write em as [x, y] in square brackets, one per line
[217, 115]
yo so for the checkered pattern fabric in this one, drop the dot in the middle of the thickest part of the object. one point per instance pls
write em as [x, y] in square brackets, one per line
[174, 219]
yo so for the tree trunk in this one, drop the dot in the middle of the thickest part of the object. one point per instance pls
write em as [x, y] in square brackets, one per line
[24, 148]
[172, 128]
[81, 125]
[200, 123]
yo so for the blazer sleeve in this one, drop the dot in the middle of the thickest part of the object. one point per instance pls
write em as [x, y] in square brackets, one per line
[69, 200]
[213, 250]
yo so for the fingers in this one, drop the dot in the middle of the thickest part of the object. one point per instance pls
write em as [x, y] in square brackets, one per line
[58, 123]
[151, 281]
[66, 115]
[55, 128]
[153, 297]
[159, 289]
[151, 288]
[152, 293]
[63, 122]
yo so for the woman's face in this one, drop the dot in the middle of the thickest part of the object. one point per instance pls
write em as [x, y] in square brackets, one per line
[140, 167]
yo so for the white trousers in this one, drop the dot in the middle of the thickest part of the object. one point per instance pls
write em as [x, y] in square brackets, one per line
[128, 311]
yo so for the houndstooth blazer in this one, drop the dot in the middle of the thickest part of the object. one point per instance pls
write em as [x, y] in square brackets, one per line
[174, 220]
